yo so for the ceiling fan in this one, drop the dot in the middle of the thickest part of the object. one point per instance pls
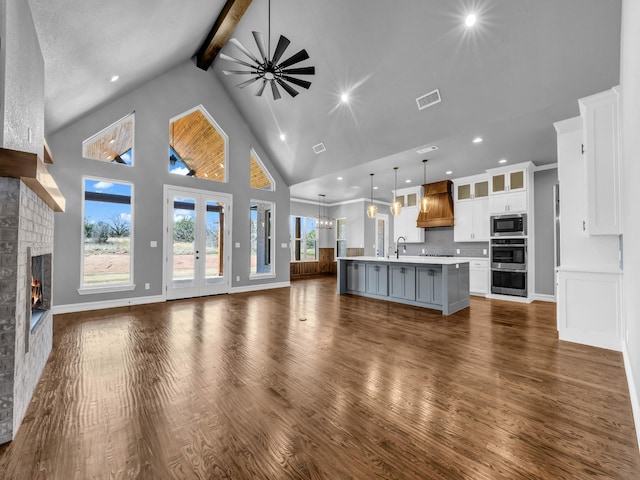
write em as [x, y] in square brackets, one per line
[267, 69]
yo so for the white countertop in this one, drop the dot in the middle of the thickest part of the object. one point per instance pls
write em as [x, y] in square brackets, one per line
[411, 259]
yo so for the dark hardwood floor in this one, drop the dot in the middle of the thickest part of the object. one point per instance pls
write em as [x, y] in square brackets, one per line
[238, 387]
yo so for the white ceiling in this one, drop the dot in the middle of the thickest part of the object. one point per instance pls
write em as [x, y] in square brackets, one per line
[521, 68]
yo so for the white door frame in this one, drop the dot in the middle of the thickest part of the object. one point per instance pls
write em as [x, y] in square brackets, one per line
[225, 286]
[385, 217]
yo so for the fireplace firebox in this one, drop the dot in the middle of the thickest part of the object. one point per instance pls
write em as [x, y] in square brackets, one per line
[39, 286]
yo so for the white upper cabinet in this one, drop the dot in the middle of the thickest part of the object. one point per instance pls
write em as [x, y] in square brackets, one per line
[601, 143]
[508, 188]
[471, 207]
[405, 224]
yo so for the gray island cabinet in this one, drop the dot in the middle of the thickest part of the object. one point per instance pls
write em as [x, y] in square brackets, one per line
[440, 283]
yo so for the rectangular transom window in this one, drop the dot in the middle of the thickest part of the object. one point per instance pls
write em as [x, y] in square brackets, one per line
[107, 239]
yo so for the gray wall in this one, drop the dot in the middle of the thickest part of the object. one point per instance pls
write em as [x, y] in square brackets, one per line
[154, 104]
[544, 226]
[23, 89]
[355, 215]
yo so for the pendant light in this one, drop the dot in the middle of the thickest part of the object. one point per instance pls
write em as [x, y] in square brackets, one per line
[323, 221]
[372, 210]
[396, 206]
[424, 201]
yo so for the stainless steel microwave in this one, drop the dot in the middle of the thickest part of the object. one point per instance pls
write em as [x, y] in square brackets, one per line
[509, 225]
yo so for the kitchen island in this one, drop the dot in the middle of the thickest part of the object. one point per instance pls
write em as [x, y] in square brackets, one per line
[440, 283]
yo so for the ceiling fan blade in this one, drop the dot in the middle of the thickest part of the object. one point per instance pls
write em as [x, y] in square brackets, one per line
[260, 42]
[261, 88]
[232, 59]
[248, 82]
[300, 71]
[244, 50]
[239, 72]
[283, 43]
[275, 91]
[288, 88]
[297, 81]
[298, 57]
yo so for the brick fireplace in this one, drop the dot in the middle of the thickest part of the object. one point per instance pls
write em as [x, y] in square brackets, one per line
[26, 252]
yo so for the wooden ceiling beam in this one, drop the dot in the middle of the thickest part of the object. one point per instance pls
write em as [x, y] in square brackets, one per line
[226, 22]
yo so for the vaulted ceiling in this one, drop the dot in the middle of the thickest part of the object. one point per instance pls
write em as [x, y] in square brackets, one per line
[507, 79]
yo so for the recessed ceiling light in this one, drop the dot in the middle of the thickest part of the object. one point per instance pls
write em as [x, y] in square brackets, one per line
[504, 160]
[477, 140]
[112, 140]
[407, 181]
[448, 172]
[344, 98]
[115, 78]
[283, 137]
[222, 165]
[339, 178]
[470, 21]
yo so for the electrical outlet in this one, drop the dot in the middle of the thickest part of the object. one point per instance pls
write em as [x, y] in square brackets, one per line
[237, 244]
[147, 286]
[423, 250]
[284, 245]
[457, 251]
[238, 278]
[484, 251]
[153, 244]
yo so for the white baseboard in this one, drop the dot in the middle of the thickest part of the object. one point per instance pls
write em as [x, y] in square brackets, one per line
[633, 392]
[543, 297]
[121, 302]
[264, 286]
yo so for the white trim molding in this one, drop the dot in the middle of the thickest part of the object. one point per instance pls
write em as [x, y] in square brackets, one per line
[121, 302]
[633, 392]
[543, 297]
[255, 288]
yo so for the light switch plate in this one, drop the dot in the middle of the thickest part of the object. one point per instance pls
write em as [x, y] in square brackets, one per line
[283, 245]
[457, 251]
[147, 286]
[153, 244]
[484, 251]
[237, 244]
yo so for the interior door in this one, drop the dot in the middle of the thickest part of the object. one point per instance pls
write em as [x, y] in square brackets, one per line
[197, 231]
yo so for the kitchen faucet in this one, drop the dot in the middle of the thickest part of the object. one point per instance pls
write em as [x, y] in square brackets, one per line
[404, 246]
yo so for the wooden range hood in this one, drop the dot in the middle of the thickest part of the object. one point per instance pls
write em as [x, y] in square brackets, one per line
[439, 207]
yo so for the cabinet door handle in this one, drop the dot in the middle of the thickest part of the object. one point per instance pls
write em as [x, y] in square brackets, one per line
[584, 225]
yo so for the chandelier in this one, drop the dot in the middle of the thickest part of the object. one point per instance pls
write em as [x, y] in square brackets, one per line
[323, 221]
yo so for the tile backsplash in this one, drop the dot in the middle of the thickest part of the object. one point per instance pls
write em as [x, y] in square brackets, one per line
[439, 241]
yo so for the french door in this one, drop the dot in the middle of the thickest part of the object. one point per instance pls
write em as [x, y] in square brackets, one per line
[197, 240]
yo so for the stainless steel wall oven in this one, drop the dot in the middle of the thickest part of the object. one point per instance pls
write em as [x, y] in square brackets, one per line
[509, 266]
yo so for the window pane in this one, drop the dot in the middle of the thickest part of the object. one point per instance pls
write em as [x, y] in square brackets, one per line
[107, 233]
[259, 176]
[184, 221]
[214, 245]
[260, 217]
[197, 146]
[114, 144]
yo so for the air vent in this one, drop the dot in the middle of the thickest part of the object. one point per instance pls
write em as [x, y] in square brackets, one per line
[429, 99]
[430, 148]
[319, 148]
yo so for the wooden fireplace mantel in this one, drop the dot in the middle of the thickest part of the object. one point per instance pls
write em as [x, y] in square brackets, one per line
[31, 170]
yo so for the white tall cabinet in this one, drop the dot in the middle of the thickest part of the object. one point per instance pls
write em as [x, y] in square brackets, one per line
[405, 224]
[589, 278]
[471, 207]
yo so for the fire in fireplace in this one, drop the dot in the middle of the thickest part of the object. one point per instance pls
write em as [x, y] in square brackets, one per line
[36, 293]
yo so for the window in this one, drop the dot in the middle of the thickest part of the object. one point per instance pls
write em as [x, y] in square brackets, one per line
[303, 239]
[114, 144]
[261, 218]
[107, 234]
[197, 146]
[341, 243]
[259, 175]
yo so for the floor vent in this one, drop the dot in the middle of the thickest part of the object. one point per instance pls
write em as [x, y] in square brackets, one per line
[429, 99]
[319, 148]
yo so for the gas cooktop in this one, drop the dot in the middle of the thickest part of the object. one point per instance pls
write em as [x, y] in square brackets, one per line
[434, 255]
